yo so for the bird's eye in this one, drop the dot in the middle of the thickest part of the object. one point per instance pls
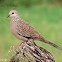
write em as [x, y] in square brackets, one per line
[13, 13]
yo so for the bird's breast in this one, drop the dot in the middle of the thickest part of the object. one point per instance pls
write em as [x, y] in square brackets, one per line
[12, 27]
[13, 30]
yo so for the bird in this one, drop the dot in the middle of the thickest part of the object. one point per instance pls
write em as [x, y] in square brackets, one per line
[24, 31]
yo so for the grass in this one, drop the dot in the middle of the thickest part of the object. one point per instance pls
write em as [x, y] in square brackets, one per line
[47, 19]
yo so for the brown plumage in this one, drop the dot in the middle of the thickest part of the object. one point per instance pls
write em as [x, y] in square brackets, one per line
[24, 30]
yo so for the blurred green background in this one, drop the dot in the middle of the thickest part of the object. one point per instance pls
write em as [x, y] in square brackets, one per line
[44, 15]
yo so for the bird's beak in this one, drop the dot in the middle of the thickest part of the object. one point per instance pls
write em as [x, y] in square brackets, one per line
[8, 16]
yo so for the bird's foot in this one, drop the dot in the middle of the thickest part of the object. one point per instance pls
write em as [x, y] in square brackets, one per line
[22, 42]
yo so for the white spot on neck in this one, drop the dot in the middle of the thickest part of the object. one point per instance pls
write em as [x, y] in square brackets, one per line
[15, 19]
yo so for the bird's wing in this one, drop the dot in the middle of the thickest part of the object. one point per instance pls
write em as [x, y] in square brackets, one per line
[25, 29]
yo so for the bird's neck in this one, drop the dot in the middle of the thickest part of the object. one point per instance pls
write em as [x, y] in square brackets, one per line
[16, 18]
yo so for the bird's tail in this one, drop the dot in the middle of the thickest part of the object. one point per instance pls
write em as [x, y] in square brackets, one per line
[50, 43]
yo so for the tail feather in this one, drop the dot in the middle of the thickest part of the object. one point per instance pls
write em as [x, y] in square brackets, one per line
[50, 43]
[54, 45]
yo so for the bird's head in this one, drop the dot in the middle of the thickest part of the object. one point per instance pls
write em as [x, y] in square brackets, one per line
[13, 13]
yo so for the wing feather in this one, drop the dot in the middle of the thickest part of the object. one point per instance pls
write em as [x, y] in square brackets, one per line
[25, 29]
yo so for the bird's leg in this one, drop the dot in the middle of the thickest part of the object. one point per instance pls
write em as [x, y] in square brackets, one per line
[22, 42]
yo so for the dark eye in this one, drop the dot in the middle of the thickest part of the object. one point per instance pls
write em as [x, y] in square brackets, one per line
[13, 13]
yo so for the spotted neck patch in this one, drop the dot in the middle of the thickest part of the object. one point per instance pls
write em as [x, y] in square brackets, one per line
[16, 19]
